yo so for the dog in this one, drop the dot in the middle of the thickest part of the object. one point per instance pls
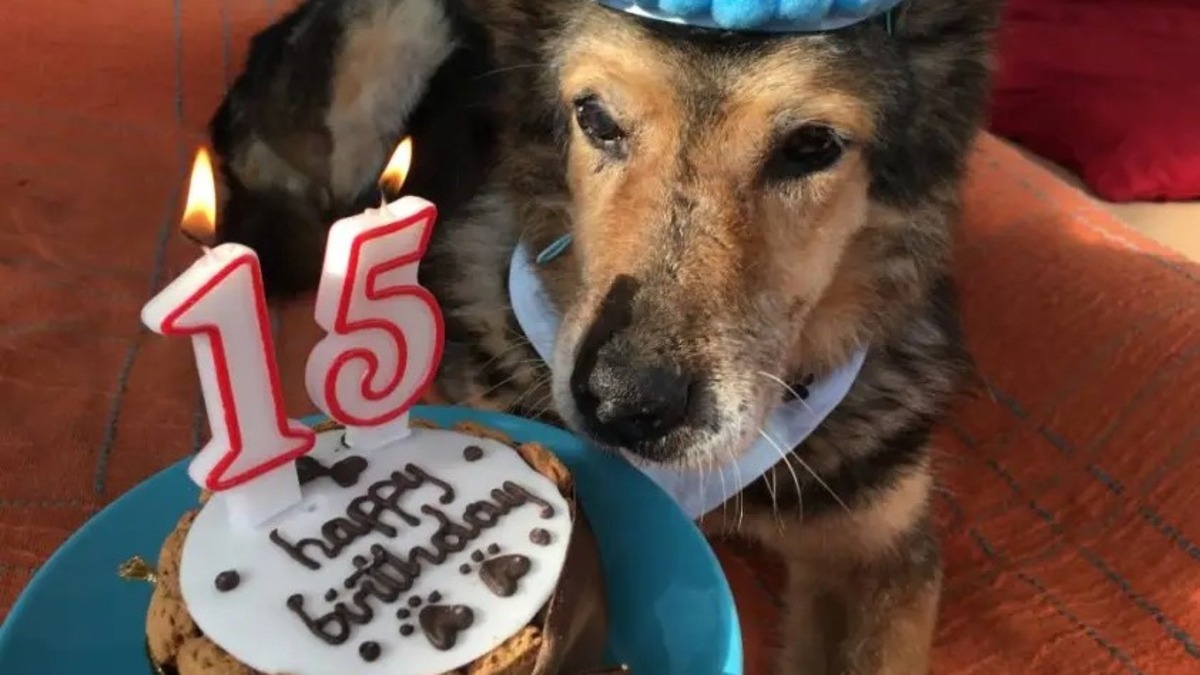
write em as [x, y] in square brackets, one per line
[744, 209]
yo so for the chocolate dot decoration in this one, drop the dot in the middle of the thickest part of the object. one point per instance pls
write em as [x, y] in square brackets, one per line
[464, 568]
[403, 613]
[473, 453]
[406, 629]
[493, 549]
[435, 597]
[539, 536]
[227, 581]
[330, 595]
[414, 602]
[477, 556]
[369, 650]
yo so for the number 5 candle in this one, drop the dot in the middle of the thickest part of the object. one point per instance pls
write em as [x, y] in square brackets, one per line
[219, 303]
[385, 331]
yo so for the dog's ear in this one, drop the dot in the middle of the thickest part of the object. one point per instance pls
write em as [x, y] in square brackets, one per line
[938, 94]
[326, 94]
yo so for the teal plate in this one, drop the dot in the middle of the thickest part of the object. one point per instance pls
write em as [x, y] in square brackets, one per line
[671, 609]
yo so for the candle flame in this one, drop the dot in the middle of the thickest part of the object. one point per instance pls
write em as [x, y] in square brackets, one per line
[396, 171]
[200, 214]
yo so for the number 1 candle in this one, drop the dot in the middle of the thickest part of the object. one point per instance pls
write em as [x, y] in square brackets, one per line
[219, 303]
[385, 331]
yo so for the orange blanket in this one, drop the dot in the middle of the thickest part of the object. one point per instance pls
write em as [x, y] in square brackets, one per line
[1068, 486]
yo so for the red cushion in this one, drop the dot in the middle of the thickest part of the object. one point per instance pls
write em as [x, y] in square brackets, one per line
[1109, 89]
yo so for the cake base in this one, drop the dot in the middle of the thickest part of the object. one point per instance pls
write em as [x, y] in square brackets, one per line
[567, 634]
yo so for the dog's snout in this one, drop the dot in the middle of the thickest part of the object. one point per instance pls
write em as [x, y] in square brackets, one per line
[628, 402]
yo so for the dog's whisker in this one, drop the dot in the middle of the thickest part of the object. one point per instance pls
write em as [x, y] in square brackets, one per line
[518, 344]
[787, 387]
[537, 385]
[773, 490]
[543, 405]
[500, 384]
[784, 457]
[507, 69]
[737, 496]
[820, 481]
[725, 503]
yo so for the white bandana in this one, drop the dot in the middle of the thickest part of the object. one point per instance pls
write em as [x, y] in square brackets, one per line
[696, 492]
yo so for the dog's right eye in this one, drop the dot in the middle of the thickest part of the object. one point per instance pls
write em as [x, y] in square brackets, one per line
[601, 130]
[810, 149]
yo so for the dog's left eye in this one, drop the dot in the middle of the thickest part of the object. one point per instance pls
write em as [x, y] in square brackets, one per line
[807, 150]
[601, 130]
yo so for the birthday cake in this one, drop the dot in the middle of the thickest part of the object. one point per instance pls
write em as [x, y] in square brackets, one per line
[370, 544]
[451, 551]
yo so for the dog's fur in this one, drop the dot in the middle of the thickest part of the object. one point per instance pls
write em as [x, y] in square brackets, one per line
[716, 253]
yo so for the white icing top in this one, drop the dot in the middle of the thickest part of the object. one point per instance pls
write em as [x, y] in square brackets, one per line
[253, 621]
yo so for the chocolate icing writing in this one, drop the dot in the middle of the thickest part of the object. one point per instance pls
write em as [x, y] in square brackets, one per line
[502, 574]
[512, 495]
[296, 551]
[363, 515]
[320, 626]
[344, 472]
[443, 623]
[386, 576]
[476, 510]
[447, 489]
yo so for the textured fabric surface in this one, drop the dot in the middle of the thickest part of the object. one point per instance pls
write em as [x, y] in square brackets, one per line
[1068, 498]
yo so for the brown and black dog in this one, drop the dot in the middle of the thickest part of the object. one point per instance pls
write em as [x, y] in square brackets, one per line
[744, 208]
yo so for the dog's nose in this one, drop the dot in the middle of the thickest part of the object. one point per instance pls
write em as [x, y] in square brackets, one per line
[627, 404]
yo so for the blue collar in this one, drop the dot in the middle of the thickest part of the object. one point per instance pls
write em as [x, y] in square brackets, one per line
[696, 492]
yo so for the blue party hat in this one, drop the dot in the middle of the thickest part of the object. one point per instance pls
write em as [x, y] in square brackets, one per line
[775, 16]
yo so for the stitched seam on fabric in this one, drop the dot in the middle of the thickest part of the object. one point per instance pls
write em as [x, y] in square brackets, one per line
[1153, 386]
[1055, 603]
[1114, 486]
[109, 438]
[1093, 559]
[1172, 629]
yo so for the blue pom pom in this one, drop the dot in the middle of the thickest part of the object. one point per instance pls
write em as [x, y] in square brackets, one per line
[796, 16]
[806, 11]
[856, 7]
[742, 14]
[683, 8]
